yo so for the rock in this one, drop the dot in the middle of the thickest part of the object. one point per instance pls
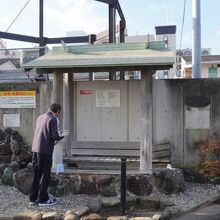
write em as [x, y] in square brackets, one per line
[141, 218]
[14, 166]
[145, 203]
[5, 158]
[169, 181]
[14, 145]
[93, 216]
[23, 180]
[165, 204]
[71, 185]
[24, 157]
[105, 185]
[51, 216]
[2, 168]
[71, 217]
[200, 178]
[7, 178]
[107, 191]
[5, 217]
[28, 216]
[110, 201]
[156, 217]
[83, 210]
[174, 210]
[118, 218]
[216, 180]
[88, 186]
[192, 176]
[139, 185]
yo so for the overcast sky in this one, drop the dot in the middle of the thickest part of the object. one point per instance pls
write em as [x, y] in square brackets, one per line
[61, 16]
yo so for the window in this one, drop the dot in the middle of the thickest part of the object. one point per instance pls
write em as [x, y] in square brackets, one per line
[187, 53]
[212, 72]
[165, 74]
[165, 38]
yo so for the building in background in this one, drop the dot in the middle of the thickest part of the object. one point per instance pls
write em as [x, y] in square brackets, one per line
[210, 66]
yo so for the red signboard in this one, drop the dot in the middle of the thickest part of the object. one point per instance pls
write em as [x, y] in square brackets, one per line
[86, 92]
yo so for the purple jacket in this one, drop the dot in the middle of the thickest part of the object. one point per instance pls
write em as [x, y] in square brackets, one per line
[46, 133]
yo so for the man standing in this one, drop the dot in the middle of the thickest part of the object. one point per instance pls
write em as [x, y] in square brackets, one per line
[45, 135]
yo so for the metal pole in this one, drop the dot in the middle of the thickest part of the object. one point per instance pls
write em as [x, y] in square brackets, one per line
[111, 24]
[41, 29]
[196, 35]
[111, 32]
[123, 186]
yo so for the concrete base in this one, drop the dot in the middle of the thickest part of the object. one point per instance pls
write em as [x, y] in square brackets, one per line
[57, 165]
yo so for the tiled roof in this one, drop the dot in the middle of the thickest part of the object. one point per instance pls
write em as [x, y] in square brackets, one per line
[16, 76]
[118, 55]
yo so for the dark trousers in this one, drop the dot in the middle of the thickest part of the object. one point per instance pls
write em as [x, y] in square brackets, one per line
[42, 167]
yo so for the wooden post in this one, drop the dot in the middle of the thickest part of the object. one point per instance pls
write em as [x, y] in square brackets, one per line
[146, 122]
[57, 97]
[66, 109]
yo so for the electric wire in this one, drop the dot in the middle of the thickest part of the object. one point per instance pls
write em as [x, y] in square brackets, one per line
[18, 15]
[178, 56]
[183, 19]
[11, 57]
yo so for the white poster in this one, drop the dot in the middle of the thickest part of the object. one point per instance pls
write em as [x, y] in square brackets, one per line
[18, 99]
[11, 120]
[108, 98]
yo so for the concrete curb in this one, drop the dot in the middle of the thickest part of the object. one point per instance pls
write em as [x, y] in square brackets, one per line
[204, 203]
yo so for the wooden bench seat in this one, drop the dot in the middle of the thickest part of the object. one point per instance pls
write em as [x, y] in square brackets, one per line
[107, 155]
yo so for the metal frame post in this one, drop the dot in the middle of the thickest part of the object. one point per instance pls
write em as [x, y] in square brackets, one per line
[123, 186]
[41, 28]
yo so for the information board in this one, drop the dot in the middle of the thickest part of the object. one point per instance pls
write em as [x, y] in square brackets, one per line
[108, 98]
[11, 120]
[17, 99]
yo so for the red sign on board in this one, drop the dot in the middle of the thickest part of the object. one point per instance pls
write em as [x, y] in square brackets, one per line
[86, 92]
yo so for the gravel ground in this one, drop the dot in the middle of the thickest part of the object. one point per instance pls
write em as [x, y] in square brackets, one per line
[12, 201]
[194, 195]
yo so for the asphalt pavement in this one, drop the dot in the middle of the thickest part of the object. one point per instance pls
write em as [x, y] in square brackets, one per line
[210, 211]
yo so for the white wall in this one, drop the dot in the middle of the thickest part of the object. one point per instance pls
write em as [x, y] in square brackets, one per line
[120, 123]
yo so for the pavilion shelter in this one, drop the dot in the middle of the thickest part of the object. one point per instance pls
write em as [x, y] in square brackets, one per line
[108, 97]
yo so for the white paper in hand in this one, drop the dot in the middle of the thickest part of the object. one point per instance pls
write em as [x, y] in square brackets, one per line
[65, 133]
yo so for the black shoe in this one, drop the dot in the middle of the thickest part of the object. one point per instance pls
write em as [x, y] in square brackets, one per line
[50, 201]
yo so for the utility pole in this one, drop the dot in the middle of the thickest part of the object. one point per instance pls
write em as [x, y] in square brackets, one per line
[196, 39]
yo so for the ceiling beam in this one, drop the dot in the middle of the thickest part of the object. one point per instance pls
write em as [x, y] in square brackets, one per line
[19, 37]
[78, 39]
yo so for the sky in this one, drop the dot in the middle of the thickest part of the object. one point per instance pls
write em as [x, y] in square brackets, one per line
[62, 16]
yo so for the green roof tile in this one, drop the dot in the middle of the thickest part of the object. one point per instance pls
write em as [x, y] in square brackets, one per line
[104, 55]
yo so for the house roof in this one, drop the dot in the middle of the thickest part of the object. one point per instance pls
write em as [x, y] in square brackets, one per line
[205, 59]
[18, 75]
[169, 29]
[100, 57]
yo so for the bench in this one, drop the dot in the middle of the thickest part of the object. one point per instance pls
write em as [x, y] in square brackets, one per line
[107, 155]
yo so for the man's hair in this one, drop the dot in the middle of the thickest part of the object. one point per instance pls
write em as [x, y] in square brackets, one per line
[55, 107]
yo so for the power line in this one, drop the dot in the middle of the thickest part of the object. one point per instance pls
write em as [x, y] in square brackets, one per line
[17, 15]
[11, 57]
[183, 19]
